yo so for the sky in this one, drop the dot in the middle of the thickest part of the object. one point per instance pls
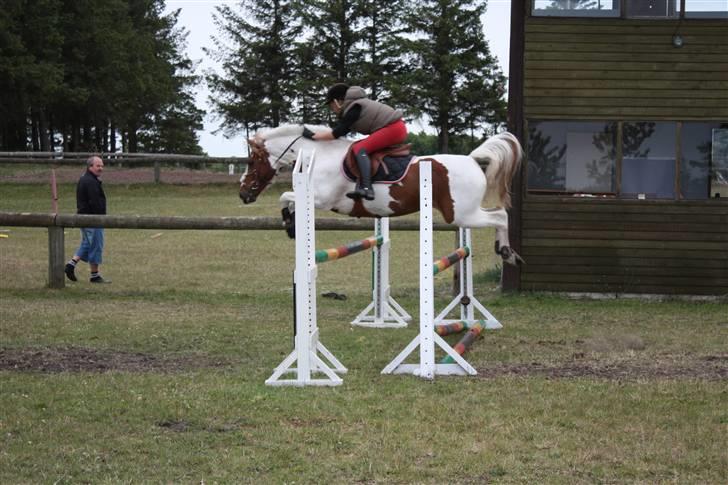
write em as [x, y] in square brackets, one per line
[196, 17]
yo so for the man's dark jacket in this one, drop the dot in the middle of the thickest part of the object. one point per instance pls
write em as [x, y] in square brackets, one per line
[90, 197]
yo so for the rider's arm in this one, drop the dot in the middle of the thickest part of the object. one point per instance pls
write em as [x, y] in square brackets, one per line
[346, 121]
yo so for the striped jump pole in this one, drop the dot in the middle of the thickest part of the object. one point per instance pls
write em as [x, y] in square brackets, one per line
[323, 255]
[446, 261]
[383, 311]
[466, 342]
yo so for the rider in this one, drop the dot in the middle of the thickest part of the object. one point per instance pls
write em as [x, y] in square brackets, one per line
[356, 112]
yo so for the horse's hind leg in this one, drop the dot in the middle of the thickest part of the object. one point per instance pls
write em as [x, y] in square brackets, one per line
[287, 203]
[497, 218]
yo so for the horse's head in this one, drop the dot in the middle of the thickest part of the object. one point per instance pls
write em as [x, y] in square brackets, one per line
[259, 172]
[276, 144]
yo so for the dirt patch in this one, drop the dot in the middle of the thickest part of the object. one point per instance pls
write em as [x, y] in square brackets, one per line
[80, 359]
[711, 368]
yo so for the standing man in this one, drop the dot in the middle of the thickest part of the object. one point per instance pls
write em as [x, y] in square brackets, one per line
[90, 199]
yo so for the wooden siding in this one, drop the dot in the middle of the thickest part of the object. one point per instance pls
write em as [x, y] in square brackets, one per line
[624, 69]
[618, 246]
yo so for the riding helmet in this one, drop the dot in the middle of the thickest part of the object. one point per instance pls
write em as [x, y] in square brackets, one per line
[337, 91]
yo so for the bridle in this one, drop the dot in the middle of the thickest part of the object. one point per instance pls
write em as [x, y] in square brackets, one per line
[255, 185]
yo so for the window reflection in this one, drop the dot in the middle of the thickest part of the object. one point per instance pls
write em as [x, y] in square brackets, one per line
[719, 166]
[648, 163]
[695, 143]
[706, 8]
[578, 8]
[653, 8]
[572, 156]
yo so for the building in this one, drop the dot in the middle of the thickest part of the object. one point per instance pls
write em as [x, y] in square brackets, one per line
[622, 108]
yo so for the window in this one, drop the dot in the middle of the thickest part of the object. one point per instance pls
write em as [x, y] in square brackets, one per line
[653, 8]
[565, 157]
[648, 160]
[696, 142]
[706, 8]
[719, 167]
[572, 156]
[576, 8]
[665, 9]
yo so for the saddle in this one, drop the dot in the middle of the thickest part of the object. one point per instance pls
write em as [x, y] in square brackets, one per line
[388, 165]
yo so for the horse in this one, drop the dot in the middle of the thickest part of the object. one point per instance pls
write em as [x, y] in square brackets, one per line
[459, 183]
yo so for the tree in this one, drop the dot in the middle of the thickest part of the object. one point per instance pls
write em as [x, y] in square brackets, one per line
[380, 49]
[257, 51]
[76, 70]
[456, 82]
[30, 71]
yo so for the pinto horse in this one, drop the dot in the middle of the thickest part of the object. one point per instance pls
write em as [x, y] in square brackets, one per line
[459, 185]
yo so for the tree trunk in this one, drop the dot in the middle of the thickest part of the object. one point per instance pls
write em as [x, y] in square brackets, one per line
[99, 131]
[75, 135]
[34, 130]
[87, 140]
[45, 132]
[133, 141]
[105, 136]
[124, 142]
[112, 137]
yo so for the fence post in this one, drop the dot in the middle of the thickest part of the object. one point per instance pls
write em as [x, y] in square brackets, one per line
[56, 257]
[156, 171]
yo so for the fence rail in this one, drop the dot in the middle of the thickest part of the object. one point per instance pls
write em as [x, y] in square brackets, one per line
[55, 223]
[54, 159]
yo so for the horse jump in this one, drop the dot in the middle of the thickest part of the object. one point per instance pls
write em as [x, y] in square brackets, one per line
[454, 363]
[306, 358]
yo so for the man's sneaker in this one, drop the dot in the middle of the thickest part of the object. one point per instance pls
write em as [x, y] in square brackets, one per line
[71, 272]
[99, 279]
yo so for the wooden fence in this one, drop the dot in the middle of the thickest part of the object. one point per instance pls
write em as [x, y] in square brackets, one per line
[53, 159]
[56, 223]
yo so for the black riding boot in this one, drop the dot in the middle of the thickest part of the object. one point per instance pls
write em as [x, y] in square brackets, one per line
[364, 187]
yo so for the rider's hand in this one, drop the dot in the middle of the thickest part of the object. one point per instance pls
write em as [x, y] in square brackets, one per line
[308, 133]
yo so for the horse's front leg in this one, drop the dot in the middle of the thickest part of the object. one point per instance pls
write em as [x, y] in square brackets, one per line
[288, 206]
[503, 248]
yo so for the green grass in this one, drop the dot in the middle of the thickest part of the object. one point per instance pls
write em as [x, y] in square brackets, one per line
[219, 302]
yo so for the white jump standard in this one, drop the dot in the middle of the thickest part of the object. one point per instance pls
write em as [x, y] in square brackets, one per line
[304, 361]
[310, 356]
[383, 311]
[465, 298]
[427, 337]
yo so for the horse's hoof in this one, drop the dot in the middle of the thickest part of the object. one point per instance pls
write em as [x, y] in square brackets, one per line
[288, 222]
[508, 255]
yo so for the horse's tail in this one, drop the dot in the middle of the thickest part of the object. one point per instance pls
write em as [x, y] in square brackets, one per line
[502, 153]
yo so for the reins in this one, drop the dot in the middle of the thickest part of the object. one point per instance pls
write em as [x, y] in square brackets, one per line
[274, 164]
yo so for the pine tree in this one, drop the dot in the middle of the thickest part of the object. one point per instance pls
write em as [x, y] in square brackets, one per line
[257, 51]
[75, 71]
[30, 71]
[456, 82]
[380, 48]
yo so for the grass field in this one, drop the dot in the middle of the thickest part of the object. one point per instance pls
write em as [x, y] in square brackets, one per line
[159, 376]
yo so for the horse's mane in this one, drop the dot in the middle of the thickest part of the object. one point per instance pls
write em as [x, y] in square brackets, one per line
[283, 130]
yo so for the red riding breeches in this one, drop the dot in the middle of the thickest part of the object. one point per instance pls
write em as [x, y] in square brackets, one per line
[392, 134]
